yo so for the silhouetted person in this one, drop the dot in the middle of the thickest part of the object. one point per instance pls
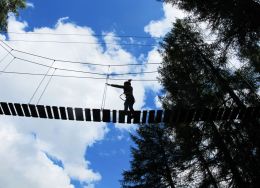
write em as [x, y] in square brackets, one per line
[128, 91]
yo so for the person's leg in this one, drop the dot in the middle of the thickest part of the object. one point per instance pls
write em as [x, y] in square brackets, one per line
[125, 106]
[131, 107]
[131, 104]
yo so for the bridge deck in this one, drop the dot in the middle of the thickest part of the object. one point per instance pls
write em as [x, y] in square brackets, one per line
[140, 117]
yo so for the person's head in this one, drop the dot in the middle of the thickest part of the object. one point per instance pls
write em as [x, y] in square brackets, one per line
[127, 83]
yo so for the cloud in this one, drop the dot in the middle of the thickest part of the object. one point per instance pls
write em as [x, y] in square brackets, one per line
[64, 140]
[30, 5]
[24, 165]
[158, 28]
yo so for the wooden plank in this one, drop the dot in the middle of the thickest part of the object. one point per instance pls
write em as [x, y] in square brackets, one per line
[12, 109]
[144, 116]
[19, 109]
[158, 118]
[87, 114]
[129, 117]
[166, 116]
[96, 115]
[26, 110]
[114, 116]
[55, 111]
[151, 117]
[49, 112]
[79, 114]
[70, 113]
[5, 108]
[33, 110]
[137, 116]
[63, 113]
[121, 116]
[41, 111]
[1, 111]
[106, 115]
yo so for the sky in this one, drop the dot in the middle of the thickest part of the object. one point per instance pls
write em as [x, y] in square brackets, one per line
[67, 154]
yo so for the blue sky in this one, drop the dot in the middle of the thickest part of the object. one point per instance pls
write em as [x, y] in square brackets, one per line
[72, 154]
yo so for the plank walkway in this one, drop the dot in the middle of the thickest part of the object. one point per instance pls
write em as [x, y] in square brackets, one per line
[114, 116]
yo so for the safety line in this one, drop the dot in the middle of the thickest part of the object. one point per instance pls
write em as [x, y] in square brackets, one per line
[105, 90]
[41, 82]
[46, 87]
[5, 57]
[76, 62]
[86, 72]
[71, 76]
[62, 69]
[80, 42]
[4, 69]
[78, 34]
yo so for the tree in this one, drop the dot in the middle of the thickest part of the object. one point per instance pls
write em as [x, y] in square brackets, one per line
[235, 22]
[153, 159]
[198, 154]
[194, 74]
[234, 19]
[9, 6]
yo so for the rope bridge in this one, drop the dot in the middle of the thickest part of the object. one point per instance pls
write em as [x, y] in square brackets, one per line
[140, 117]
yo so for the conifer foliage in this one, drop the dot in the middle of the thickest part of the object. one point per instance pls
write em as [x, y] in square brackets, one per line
[9, 6]
[199, 154]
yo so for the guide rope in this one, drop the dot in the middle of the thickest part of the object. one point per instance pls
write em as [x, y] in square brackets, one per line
[42, 81]
[105, 90]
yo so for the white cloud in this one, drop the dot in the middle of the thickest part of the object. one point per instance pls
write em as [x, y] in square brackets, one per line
[29, 4]
[65, 140]
[158, 103]
[24, 165]
[158, 28]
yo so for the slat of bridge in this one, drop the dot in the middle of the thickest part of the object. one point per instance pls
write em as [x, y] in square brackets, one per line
[139, 117]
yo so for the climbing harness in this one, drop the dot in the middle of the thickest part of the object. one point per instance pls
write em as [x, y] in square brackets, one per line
[120, 96]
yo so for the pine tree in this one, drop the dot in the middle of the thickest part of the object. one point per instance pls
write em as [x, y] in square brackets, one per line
[193, 75]
[233, 19]
[9, 6]
[198, 154]
[153, 159]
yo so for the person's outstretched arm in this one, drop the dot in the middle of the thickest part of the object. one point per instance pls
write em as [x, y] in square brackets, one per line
[117, 86]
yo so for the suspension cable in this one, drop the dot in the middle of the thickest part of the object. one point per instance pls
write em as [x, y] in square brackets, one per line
[4, 69]
[72, 76]
[5, 56]
[41, 82]
[46, 87]
[78, 34]
[85, 72]
[76, 62]
[105, 90]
